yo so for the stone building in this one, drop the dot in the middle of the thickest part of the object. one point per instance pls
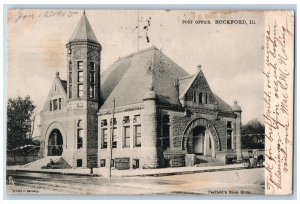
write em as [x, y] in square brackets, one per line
[162, 115]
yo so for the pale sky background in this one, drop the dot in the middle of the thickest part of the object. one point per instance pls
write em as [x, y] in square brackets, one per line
[231, 55]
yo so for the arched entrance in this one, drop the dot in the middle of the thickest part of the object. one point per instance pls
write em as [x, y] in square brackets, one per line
[55, 143]
[200, 137]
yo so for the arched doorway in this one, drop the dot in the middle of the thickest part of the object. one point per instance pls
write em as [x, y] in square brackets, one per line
[196, 141]
[55, 143]
[200, 137]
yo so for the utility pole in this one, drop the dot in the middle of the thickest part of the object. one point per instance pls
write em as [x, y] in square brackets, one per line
[111, 137]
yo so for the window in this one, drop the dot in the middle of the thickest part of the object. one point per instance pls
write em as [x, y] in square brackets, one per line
[104, 138]
[103, 123]
[200, 97]
[59, 103]
[92, 91]
[229, 124]
[229, 135]
[79, 134]
[194, 96]
[115, 121]
[127, 136]
[92, 72]
[50, 105]
[70, 91]
[79, 162]
[209, 143]
[80, 65]
[206, 98]
[165, 139]
[114, 138]
[80, 90]
[137, 119]
[55, 104]
[80, 76]
[126, 120]
[92, 79]
[229, 139]
[70, 66]
[137, 135]
[102, 162]
[70, 77]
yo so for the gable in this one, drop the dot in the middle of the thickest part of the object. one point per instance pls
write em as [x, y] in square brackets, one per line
[57, 90]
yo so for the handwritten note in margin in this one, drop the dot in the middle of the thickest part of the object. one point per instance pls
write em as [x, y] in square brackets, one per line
[278, 101]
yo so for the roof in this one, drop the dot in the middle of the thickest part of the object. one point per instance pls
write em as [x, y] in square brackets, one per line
[84, 31]
[128, 79]
[186, 82]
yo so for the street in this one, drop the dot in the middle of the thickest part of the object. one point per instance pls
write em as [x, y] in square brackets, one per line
[246, 181]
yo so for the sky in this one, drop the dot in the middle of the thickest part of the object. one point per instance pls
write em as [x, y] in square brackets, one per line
[231, 56]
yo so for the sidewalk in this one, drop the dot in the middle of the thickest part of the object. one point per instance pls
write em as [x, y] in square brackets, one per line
[130, 173]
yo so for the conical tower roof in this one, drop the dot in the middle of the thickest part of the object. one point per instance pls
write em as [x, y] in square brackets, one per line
[84, 31]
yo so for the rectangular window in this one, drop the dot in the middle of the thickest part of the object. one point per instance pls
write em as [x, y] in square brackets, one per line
[127, 136]
[59, 103]
[126, 120]
[194, 97]
[115, 121]
[70, 91]
[229, 139]
[50, 105]
[79, 138]
[229, 124]
[114, 138]
[70, 77]
[137, 135]
[92, 91]
[104, 138]
[70, 66]
[206, 98]
[102, 162]
[80, 90]
[80, 65]
[200, 97]
[79, 162]
[137, 119]
[92, 72]
[103, 123]
[55, 104]
[165, 140]
[209, 143]
[80, 76]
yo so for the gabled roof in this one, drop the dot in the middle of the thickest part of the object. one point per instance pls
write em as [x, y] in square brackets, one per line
[186, 82]
[128, 79]
[61, 89]
[83, 31]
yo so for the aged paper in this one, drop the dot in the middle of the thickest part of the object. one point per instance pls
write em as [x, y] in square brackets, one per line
[278, 101]
[150, 102]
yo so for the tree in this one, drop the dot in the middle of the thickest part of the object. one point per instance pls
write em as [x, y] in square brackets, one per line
[253, 135]
[20, 121]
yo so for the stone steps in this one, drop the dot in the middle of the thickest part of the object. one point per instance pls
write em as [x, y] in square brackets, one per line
[207, 161]
[38, 164]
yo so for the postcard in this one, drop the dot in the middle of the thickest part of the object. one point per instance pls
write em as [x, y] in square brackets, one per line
[150, 102]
